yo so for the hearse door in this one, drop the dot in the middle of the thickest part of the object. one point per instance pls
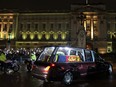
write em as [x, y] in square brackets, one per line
[76, 61]
[87, 63]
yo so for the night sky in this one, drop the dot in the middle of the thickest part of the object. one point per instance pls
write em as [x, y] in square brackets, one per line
[51, 4]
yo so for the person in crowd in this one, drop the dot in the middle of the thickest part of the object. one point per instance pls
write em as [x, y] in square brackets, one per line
[33, 56]
[2, 60]
[30, 61]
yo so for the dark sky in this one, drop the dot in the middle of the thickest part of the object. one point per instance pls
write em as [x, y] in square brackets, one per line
[51, 4]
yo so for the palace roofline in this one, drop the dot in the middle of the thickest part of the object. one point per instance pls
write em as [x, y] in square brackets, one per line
[84, 6]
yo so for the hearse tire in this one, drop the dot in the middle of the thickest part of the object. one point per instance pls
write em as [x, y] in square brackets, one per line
[68, 78]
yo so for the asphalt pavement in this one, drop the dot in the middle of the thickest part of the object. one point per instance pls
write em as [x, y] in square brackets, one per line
[22, 78]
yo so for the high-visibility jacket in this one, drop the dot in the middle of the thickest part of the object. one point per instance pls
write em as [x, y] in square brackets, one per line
[33, 57]
[3, 57]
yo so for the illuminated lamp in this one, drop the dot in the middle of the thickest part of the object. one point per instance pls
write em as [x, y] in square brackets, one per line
[24, 36]
[12, 36]
[47, 36]
[55, 36]
[63, 36]
[39, 36]
[32, 36]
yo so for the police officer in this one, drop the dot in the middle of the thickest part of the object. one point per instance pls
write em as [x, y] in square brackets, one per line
[2, 60]
[33, 56]
[30, 61]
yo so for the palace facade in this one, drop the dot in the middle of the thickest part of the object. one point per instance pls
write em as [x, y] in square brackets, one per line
[90, 26]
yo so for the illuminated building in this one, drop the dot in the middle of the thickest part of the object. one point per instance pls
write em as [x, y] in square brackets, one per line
[31, 29]
[100, 26]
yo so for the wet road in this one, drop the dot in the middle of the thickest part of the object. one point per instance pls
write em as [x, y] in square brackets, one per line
[24, 79]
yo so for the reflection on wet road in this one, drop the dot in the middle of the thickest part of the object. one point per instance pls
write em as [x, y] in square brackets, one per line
[24, 79]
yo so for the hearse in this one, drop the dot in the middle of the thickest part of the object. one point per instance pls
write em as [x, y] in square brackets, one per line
[65, 64]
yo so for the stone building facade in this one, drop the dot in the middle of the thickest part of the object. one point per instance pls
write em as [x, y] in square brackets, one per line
[88, 26]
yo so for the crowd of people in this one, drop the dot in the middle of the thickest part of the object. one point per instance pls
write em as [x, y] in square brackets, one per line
[19, 54]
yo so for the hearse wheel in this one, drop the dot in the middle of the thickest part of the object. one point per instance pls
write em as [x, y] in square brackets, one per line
[68, 78]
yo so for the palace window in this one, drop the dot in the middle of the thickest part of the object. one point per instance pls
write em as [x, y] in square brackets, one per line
[5, 27]
[115, 26]
[28, 26]
[10, 28]
[21, 27]
[44, 26]
[36, 26]
[51, 26]
[67, 25]
[59, 26]
[115, 19]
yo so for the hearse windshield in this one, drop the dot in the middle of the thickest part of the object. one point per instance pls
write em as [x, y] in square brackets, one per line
[46, 54]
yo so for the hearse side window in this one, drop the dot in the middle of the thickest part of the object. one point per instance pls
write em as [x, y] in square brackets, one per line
[75, 56]
[88, 56]
[61, 55]
[73, 52]
[81, 56]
